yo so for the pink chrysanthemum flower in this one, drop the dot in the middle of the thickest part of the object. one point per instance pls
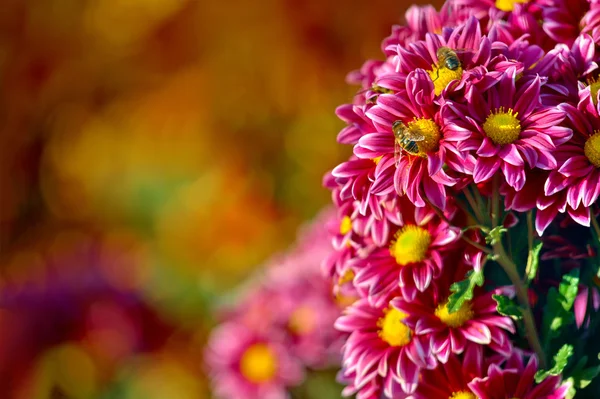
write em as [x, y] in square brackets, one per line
[421, 175]
[310, 315]
[516, 380]
[562, 19]
[418, 175]
[511, 18]
[414, 257]
[549, 207]
[545, 22]
[371, 389]
[561, 247]
[450, 380]
[568, 70]
[578, 171]
[246, 365]
[420, 85]
[420, 20]
[357, 123]
[590, 23]
[510, 129]
[381, 348]
[585, 297]
[476, 322]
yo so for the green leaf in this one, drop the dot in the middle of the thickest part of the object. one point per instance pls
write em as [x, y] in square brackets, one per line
[495, 235]
[533, 260]
[560, 362]
[586, 376]
[557, 313]
[581, 376]
[568, 289]
[507, 307]
[462, 291]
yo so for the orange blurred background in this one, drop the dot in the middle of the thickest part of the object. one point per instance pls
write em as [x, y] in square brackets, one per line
[153, 153]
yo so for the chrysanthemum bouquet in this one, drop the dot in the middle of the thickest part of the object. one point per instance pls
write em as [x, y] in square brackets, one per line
[280, 329]
[466, 245]
[467, 214]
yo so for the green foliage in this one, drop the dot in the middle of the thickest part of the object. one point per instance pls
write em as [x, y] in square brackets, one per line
[561, 359]
[463, 290]
[495, 235]
[582, 376]
[533, 260]
[557, 313]
[507, 307]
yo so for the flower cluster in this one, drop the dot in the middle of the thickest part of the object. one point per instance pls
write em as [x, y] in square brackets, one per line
[466, 239]
[281, 326]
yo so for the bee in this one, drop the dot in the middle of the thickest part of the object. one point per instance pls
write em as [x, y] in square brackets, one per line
[375, 91]
[447, 58]
[406, 139]
[379, 90]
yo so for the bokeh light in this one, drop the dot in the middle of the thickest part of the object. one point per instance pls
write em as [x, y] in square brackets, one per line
[154, 154]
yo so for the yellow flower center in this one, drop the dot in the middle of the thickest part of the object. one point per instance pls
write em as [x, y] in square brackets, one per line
[442, 76]
[345, 225]
[592, 149]
[377, 159]
[508, 5]
[462, 395]
[430, 130]
[302, 321]
[410, 245]
[391, 328]
[502, 127]
[346, 278]
[258, 363]
[456, 319]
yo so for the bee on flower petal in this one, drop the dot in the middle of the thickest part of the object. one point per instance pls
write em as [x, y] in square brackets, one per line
[406, 139]
[447, 58]
[375, 91]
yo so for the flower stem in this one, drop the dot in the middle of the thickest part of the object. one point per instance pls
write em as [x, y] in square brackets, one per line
[463, 206]
[529, 243]
[474, 205]
[595, 223]
[521, 290]
[476, 245]
[462, 235]
[495, 216]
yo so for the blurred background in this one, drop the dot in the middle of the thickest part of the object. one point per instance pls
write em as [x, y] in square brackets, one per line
[153, 154]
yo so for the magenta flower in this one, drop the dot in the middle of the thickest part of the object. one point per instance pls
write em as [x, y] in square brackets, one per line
[510, 18]
[578, 171]
[421, 175]
[510, 129]
[562, 19]
[358, 123]
[568, 69]
[450, 380]
[515, 380]
[549, 207]
[560, 247]
[414, 257]
[420, 20]
[244, 364]
[310, 315]
[476, 322]
[585, 297]
[371, 389]
[590, 22]
[381, 348]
